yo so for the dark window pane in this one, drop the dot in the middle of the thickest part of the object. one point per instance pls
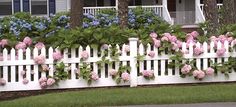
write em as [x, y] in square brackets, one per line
[38, 7]
[89, 3]
[5, 7]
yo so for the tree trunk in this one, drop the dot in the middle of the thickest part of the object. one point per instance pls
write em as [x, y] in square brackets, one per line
[123, 12]
[228, 14]
[76, 13]
[211, 15]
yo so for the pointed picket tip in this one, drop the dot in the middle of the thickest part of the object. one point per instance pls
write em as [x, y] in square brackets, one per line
[50, 49]
[198, 44]
[88, 48]
[205, 47]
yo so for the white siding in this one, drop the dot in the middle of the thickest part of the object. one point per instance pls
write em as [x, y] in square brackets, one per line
[61, 5]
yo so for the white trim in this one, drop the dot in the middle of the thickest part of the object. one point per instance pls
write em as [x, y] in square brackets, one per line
[48, 8]
[12, 6]
[21, 6]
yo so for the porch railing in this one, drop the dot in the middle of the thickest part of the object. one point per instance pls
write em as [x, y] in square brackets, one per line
[94, 10]
[157, 9]
[218, 5]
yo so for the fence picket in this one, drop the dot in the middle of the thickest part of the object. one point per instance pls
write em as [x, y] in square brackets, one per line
[198, 60]
[28, 67]
[141, 53]
[205, 60]
[13, 67]
[73, 65]
[43, 52]
[36, 70]
[155, 66]
[5, 68]
[50, 59]
[20, 68]
[148, 63]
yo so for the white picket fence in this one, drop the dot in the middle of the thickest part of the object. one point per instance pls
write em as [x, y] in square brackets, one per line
[10, 69]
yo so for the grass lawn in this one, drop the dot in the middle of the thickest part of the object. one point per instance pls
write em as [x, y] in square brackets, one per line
[130, 96]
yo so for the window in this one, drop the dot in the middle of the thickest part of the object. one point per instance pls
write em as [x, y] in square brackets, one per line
[38, 7]
[5, 7]
[90, 3]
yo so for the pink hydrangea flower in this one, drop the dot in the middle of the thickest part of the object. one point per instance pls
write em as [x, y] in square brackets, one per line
[173, 38]
[174, 46]
[23, 72]
[84, 55]
[153, 35]
[213, 38]
[151, 54]
[222, 38]
[125, 76]
[43, 82]
[199, 74]
[51, 81]
[25, 81]
[57, 55]
[94, 76]
[168, 35]
[234, 42]
[195, 34]
[198, 51]
[39, 45]
[127, 48]
[230, 39]
[2, 82]
[148, 73]
[157, 43]
[42, 79]
[45, 68]
[3, 42]
[112, 72]
[105, 46]
[189, 38]
[195, 73]
[40, 59]
[179, 43]
[43, 85]
[210, 71]
[164, 38]
[20, 45]
[221, 51]
[27, 41]
[186, 69]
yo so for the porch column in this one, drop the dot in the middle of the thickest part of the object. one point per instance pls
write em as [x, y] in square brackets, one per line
[164, 3]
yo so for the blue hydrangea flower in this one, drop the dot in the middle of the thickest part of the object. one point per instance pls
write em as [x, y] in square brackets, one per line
[85, 25]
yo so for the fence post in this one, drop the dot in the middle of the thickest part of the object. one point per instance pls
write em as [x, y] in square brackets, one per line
[133, 43]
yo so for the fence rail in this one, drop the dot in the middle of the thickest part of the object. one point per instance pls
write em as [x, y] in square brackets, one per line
[11, 66]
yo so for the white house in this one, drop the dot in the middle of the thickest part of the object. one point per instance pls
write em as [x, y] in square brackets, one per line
[183, 12]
